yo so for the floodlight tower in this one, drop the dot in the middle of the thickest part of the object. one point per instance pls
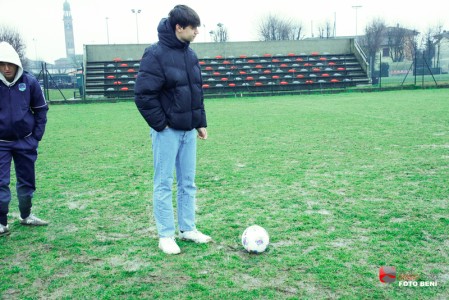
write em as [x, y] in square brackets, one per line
[107, 29]
[356, 7]
[136, 12]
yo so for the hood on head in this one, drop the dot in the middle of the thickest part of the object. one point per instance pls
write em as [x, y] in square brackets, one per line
[10, 55]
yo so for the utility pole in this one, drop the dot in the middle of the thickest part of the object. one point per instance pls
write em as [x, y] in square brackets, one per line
[356, 7]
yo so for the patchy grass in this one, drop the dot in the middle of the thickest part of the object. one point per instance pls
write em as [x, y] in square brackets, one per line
[343, 183]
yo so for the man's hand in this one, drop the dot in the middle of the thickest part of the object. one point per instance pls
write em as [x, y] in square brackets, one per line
[202, 133]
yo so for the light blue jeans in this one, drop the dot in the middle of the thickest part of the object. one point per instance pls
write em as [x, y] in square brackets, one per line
[174, 149]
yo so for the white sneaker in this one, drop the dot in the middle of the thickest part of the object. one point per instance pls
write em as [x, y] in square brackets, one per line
[168, 245]
[195, 236]
[32, 220]
[4, 230]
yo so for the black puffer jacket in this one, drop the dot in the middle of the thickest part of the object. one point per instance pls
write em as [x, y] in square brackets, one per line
[168, 88]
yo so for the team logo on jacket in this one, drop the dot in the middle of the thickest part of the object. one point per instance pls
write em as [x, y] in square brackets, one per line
[22, 87]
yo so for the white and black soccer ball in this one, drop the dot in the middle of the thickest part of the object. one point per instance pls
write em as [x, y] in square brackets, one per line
[255, 239]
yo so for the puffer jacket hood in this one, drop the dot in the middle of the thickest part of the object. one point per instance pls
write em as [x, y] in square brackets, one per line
[168, 37]
[8, 54]
[168, 89]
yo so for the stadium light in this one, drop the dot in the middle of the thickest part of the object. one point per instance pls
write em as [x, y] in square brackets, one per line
[136, 12]
[35, 50]
[107, 29]
[356, 7]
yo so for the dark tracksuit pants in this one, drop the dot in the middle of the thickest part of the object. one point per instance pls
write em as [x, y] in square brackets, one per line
[24, 154]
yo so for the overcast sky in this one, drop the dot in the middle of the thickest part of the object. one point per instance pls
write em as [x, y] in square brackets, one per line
[40, 22]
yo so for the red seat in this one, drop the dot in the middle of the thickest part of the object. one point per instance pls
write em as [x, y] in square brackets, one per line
[283, 65]
[275, 77]
[335, 80]
[325, 75]
[249, 78]
[259, 66]
[216, 73]
[226, 62]
[123, 65]
[283, 82]
[117, 82]
[205, 86]
[267, 71]
[202, 63]
[275, 60]
[292, 71]
[224, 79]
[299, 76]
[110, 77]
[218, 56]
[131, 70]
[291, 54]
[117, 59]
[258, 84]
[209, 68]
[242, 72]
[267, 55]
[124, 88]
[243, 56]
[232, 84]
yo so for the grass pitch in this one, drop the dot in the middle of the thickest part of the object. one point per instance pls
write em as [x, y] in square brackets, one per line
[344, 184]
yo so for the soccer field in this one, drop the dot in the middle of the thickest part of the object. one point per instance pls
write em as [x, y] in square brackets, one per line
[344, 184]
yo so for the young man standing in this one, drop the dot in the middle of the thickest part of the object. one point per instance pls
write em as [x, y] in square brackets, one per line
[169, 95]
[23, 116]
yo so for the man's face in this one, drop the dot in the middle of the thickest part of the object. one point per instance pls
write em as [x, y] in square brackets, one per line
[186, 34]
[8, 70]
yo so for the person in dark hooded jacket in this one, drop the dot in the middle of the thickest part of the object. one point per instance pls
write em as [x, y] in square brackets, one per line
[23, 116]
[169, 96]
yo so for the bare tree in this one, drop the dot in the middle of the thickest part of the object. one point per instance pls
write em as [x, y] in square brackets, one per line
[296, 31]
[320, 32]
[430, 45]
[439, 35]
[220, 34]
[411, 44]
[268, 28]
[274, 28]
[12, 36]
[326, 31]
[372, 41]
[397, 40]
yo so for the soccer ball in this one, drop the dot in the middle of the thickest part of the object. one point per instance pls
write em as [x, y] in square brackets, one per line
[255, 239]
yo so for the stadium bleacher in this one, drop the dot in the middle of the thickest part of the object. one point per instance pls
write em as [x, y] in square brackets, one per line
[280, 72]
[236, 75]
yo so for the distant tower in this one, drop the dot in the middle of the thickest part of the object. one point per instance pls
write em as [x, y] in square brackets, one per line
[68, 31]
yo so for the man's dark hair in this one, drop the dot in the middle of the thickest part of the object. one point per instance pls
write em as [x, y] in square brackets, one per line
[184, 16]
